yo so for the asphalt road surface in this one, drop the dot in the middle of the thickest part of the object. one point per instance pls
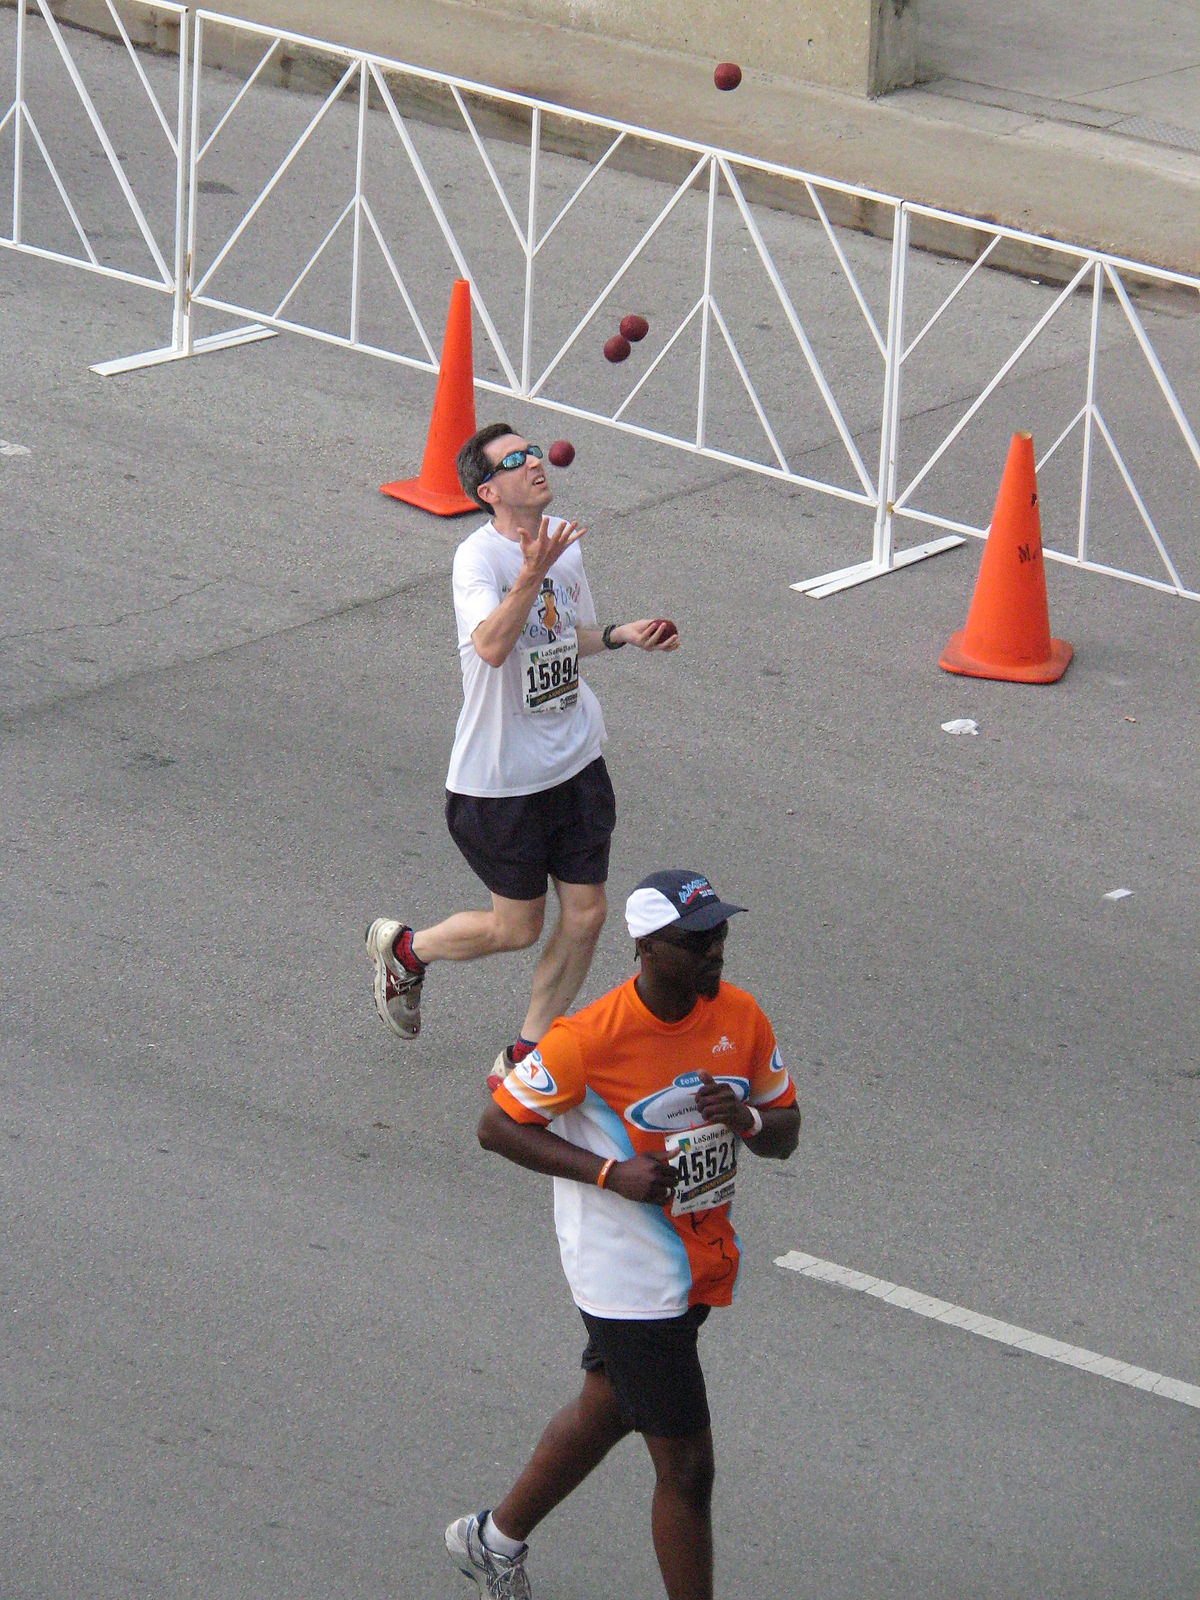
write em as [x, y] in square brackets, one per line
[269, 1317]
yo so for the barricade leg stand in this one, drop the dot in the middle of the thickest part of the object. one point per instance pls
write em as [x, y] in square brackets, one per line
[183, 343]
[883, 557]
[19, 124]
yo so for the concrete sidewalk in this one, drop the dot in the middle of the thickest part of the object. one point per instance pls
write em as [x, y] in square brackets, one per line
[1081, 127]
[1075, 75]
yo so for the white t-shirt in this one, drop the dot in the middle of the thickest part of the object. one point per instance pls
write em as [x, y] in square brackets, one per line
[531, 722]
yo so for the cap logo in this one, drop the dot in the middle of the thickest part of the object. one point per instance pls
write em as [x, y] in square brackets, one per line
[683, 896]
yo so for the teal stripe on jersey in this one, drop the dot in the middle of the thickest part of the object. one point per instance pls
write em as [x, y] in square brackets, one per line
[603, 1115]
[677, 1263]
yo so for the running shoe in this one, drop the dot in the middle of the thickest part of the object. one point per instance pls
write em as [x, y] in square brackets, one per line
[397, 991]
[501, 1068]
[496, 1577]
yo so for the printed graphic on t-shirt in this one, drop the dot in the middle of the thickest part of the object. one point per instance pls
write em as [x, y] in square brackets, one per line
[673, 1109]
[555, 610]
[531, 1070]
[547, 608]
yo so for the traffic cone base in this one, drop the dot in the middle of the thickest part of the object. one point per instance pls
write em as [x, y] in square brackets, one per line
[955, 658]
[417, 493]
[437, 488]
[1007, 635]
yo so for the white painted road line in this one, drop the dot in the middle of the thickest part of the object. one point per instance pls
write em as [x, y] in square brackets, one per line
[1070, 1355]
[7, 448]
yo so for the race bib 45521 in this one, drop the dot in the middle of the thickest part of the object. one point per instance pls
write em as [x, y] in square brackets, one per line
[706, 1160]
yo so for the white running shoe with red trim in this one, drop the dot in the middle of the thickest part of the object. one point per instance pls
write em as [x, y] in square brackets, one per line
[501, 1068]
[397, 991]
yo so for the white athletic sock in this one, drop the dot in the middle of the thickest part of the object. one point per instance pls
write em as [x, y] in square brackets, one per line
[499, 1543]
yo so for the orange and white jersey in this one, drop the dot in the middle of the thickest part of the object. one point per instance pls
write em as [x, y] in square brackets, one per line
[617, 1080]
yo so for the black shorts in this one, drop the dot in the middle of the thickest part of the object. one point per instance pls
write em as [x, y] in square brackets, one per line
[654, 1369]
[514, 843]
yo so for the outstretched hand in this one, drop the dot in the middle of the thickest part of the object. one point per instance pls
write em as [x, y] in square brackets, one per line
[652, 633]
[542, 549]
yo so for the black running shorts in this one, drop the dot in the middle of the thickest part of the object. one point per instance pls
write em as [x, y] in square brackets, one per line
[654, 1369]
[515, 843]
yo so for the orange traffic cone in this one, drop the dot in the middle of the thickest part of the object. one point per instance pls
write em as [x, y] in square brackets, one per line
[1008, 625]
[437, 488]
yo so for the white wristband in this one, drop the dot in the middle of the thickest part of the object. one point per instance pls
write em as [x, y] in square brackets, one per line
[757, 1128]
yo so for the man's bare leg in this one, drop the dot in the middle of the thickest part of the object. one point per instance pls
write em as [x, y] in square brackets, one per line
[681, 1513]
[573, 1444]
[564, 963]
[509, 925]
[468, 935]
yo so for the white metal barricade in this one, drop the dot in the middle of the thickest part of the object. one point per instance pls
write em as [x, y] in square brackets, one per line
[1105, 337]
[393, 179]
[541, 344]
[52, 101]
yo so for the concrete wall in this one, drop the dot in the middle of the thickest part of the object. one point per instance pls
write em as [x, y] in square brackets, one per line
[865, 47]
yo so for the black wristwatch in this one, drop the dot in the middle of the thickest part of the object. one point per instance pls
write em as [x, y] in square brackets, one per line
[606, 638]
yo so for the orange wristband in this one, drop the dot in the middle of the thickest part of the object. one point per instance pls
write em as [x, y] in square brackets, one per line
[602, 1175]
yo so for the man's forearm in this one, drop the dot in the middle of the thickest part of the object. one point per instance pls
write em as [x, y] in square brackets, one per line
[647, 1179]
[780, 1133]
[591, 640]
[496, 635]
[534, 1146]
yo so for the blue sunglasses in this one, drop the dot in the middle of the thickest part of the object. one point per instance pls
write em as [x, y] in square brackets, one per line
[513, 460]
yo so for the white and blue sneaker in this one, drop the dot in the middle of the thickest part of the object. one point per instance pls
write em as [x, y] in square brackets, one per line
[496, 1577]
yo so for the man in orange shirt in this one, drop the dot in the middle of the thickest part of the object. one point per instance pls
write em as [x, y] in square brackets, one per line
[653, 1090]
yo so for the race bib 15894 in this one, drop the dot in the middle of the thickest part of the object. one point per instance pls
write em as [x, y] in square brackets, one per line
[550, 675]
